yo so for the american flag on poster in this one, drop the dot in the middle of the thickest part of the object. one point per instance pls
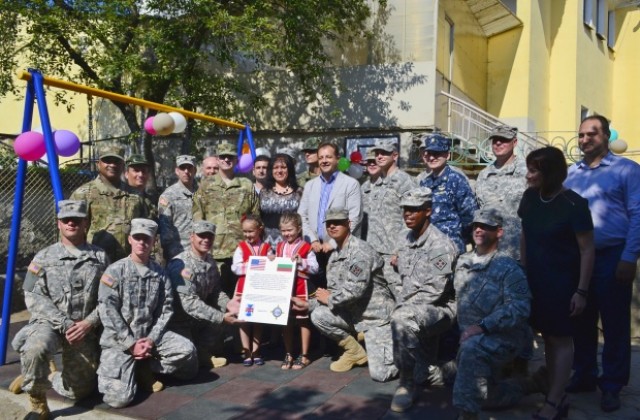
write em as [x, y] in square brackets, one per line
[257, 264]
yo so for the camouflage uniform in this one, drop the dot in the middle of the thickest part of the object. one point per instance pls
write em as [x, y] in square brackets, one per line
[136, 302]
[492, 292]
[150, 210]
[110, 212]
[304, 177]
[453, 205]
[200, 303]
[61, 287]
[175, 213]
[502, 189]
[427, 307]
[360, 301]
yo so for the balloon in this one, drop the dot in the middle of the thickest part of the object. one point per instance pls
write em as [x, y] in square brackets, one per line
[148, 126]
[179, 122]
[30, 145]
[343, 164]
[262, 151]
[618, 146]
[356, 171]
[163, 124]
[355, 157]
[246, 149]
[245, 163]
[614, 135]
[67, 143]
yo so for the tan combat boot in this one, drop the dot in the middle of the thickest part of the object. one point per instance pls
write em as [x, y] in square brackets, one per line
[206, 360]
[147, 380]
[39, 408]
[16, 385]
[354, 355]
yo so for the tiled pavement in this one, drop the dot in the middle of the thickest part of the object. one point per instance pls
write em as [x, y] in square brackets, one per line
[266, 391]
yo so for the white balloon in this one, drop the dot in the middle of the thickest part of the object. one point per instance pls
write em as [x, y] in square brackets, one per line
[356, 170]
[180, 122]
[263, 151]
[618, 146]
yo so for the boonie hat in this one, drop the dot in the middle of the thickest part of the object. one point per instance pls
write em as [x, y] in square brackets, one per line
[186, 160]
[144, 226]
[226, 148]
[416, 197]
[112, 151]
[202, 226]
[488, 216]
[337, 213]
[137, 160]
[437, 143]
[72, 208]
[504, 131]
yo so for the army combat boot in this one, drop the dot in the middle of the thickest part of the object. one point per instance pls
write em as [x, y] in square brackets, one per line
[146, 379]
[405, 393]
[354, 355]
[206, 360]
[39, 408]
[16, 385]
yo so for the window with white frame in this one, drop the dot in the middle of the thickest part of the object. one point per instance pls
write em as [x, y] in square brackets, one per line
[611, 29]
[587, 13]
[601, 18]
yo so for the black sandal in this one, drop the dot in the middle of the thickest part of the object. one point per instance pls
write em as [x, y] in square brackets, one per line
[562, 410]
[300, 363]
[287, 362]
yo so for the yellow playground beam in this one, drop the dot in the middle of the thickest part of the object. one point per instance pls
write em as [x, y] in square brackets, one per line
[25, 75]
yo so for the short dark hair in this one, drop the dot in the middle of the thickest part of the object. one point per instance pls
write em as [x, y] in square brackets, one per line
[261, 158]
[551, 163]
[334, 146]
[270, 182]
[603, 121]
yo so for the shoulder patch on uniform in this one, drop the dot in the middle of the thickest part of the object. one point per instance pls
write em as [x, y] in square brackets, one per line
[522, 290]
[440, 263]
[163, 201]
[35, 268]
[356, 270]
[107, 279]
[186, 274]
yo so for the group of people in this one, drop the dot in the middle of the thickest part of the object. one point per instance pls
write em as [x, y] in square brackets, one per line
[387, 269]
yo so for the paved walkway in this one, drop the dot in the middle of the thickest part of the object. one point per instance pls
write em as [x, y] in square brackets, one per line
[266, 391]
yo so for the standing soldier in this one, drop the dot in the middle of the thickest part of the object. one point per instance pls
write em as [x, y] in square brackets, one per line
[426, 307]
[61, 292]
[135, 304]
[110, 206]
[175, 209]
[310, 151]
[200, 303]
[368, 194]
[223, 199]
[137, 174]
[501, 184]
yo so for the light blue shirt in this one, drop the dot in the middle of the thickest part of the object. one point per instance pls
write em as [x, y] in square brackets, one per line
[325, 193]
[613, 191]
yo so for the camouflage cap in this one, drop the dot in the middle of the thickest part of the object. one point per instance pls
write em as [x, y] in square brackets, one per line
[437, 143]
[202, 226]
[504, 131]
[311, 144]
[143, 226]
[112, 151]
[387, 145]
[488, 216]
[186, 160]
[226, 148]
[137, 160]
[337, 213]
[72, 208]
[416, 197]
[371, 155]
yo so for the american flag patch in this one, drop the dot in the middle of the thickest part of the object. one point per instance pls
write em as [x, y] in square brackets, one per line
[163, 201]
[34, 268]
[257, 264]
[186, 274]
[107, 279]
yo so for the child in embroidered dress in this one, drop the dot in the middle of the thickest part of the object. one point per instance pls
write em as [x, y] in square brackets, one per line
[294, 247]
[253, 245]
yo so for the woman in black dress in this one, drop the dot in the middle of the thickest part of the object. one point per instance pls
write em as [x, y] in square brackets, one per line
[557, 251]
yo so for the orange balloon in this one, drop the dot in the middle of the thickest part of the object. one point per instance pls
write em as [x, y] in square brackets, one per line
[246, 149]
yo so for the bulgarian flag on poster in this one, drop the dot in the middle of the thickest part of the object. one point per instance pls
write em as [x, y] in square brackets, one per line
[284, 268]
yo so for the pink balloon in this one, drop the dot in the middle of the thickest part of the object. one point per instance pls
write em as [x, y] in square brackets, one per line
[245, 163]
[67, 143]
[30, 145]
[148, 126]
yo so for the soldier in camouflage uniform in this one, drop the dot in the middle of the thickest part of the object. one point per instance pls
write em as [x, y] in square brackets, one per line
[453, 199]
[426, 309]
[111, 207]
[385, 216]
[223, 199]
[61, 292]
[135, 304]
[310, 151]
[357, 299]
[501, 184]
[374, 172]
[493, 309]
[137, 174]
[200, 303]
[175, 209]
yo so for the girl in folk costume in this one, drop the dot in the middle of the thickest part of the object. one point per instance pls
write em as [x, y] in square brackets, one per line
[250, 333]
[294, 247]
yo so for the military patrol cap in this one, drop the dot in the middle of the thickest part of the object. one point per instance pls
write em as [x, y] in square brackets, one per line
[504, 132]
[386, 145]
[112, 151]
[311, 143]
[226, 148]
[137, 160]
[202, 226]
[72, 208]
[371, 154]
[186, 160]
[416, 197]
[437, 143]
[337, 213]
[144, 226]
[488, 216]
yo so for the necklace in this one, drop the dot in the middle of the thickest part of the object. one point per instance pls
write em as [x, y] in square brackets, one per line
[285, 191]
[549, 200]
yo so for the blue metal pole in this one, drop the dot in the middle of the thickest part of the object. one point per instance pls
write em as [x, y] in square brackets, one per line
[252, 146]
[239, 148]
[15, 230]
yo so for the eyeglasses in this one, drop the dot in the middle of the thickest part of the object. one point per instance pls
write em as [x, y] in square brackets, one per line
[110, 160]
[379, 152]
[75, 220]
[434, 153]
[226, 157]
[185, 167]
[371, 163]
[412, 209]
[487, 228]
[501, 140]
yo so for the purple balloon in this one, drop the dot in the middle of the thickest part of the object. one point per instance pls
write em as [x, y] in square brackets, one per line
[30, 145]
[67, 143]
[245, 163]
